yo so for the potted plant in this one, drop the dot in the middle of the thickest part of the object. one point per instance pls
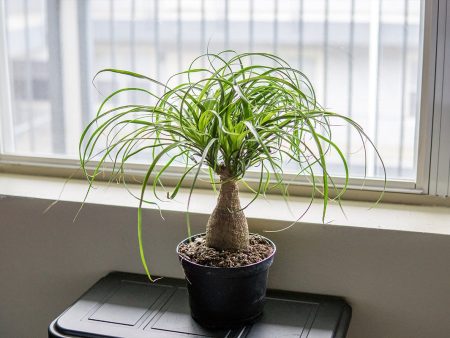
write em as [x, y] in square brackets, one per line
[242, 112]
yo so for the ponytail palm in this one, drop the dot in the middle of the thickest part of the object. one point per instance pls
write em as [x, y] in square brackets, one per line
[230, 117]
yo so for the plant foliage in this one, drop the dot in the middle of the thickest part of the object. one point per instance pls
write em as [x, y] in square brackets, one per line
[242, 111]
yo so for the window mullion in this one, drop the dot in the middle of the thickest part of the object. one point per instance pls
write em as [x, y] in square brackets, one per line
[71, 74]
[440, 142]
[53, 17]
[444, 137]
[85, 54]
[428, 81]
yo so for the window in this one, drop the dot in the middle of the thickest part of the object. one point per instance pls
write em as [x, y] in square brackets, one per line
[363, 57]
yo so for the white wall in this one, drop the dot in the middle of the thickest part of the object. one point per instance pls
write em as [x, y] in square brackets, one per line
[397, 282]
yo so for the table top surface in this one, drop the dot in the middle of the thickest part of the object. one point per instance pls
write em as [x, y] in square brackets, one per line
[128, 305]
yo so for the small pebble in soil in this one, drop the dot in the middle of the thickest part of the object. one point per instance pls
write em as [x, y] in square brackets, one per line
[197, 252]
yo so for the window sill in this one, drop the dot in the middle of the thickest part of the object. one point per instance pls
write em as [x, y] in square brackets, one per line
[385, 216]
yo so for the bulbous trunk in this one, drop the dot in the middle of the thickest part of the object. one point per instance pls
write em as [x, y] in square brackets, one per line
[227, 227]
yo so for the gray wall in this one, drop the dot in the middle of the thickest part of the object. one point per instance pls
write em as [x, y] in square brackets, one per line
[398, 283]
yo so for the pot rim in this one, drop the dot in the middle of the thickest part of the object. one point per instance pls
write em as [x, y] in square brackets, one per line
[217, 268]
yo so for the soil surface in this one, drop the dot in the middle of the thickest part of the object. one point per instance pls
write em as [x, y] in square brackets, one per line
[197, 252]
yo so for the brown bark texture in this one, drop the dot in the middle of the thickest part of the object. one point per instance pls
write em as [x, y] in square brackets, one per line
[227, 227]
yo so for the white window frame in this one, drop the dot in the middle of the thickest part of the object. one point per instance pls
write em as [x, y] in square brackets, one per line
[434, 112]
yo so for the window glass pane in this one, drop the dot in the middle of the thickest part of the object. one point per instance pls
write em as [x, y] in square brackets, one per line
[28, 67]
[363, 57]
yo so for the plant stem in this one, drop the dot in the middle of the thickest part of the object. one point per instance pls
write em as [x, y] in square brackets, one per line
[227, 227]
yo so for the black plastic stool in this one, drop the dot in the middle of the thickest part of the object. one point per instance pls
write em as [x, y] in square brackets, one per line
[128, 305]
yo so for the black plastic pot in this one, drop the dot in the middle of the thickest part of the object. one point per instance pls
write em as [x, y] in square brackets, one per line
[226, 297]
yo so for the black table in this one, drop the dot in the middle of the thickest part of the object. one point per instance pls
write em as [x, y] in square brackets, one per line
[128, 305]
